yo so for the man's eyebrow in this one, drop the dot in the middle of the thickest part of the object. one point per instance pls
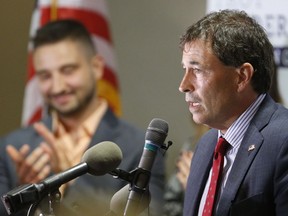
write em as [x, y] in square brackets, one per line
[41, 71]
[192, 63]
[68, 65]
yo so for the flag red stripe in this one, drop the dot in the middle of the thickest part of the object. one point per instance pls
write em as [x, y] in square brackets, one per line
[31, 71]
[94, 22]
[110, 76]
[36, 116]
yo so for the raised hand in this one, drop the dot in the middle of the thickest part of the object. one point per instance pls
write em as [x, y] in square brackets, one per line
[63, 155]
[183, 166]
[31, 168]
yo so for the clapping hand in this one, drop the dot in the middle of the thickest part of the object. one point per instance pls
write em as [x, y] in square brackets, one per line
[183, 166]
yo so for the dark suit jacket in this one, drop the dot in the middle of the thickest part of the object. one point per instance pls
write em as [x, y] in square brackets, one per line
[90, 195]
[258, 181]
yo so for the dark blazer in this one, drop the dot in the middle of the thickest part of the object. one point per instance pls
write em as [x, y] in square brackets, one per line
[90, 195]
[258, 181]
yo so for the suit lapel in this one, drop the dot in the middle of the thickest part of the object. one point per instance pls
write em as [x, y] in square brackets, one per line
[246, 153]
[105, 129]
[248, 150]
[199, 171]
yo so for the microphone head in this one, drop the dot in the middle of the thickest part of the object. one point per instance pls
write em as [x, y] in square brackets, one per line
[102, 158]
[119, 200]
[157, 131]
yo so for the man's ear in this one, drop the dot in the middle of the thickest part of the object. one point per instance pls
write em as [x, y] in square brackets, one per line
[245, 74]
[98, 65]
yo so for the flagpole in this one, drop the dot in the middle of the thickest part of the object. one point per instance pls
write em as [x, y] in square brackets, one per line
[53, 11]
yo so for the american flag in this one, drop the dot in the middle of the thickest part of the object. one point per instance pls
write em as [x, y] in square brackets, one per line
[94, 15]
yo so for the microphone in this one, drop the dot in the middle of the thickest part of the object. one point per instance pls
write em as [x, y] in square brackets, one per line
[154, 139]
[118, 202]
[97, 160]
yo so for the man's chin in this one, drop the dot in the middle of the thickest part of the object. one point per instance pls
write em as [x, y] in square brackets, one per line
[67, 111]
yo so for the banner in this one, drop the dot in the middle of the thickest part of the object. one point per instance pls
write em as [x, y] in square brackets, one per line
[273, 16]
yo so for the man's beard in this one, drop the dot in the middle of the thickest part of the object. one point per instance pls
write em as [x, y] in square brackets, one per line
[80, 106]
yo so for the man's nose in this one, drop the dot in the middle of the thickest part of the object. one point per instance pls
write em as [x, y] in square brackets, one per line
[186, 83]
[58, 84]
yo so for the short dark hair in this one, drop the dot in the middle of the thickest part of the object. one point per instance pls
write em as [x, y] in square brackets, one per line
[59, 30]
[236, 38]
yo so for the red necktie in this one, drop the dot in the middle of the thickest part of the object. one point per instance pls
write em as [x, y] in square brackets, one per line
[216, 175]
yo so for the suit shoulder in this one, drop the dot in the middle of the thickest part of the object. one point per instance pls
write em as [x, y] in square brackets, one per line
[20, 136]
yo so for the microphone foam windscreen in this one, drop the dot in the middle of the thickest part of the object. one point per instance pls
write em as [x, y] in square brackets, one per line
[102, 158]
[157, 131]
[119, 200]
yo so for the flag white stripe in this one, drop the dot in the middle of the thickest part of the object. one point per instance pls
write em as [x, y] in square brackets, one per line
[35, 22]
[32, 97]
[107, 51]
[33, 100]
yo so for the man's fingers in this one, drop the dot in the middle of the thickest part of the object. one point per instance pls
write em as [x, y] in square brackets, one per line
[46, 148]
[44, 172]
[41, 163]
[183, 166]
[13, 153]
[186, 158]
[31, 167]
[17, 156]
[182, 179]
[24, 150]
[43, 131]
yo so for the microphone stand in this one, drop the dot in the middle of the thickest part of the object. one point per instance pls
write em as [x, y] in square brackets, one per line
[54, 199]
[132, 177]
[141, 189]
